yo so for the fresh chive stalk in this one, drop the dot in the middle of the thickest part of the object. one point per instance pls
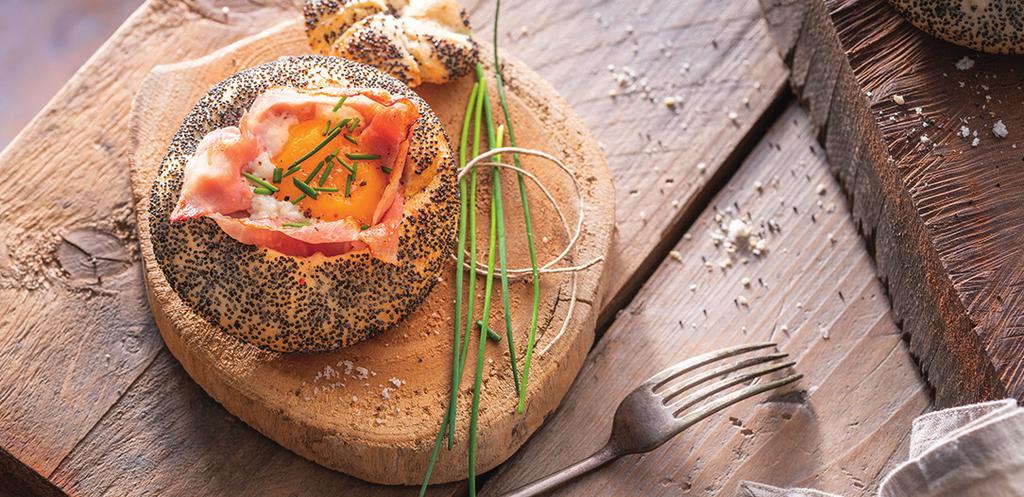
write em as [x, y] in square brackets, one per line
[491, 334]
[528, 222]
[295, 225]
[341, 101]
[304, 188]
[327, 189]
[262, 191]
[330, 136]
[494, 141]
[348, 181]
[277, 174]
[327, 128]
[298, 199]
[362, 156]
[350, 139]
[315, 171]
[260, 181]
[474, 412]
[385, 169]
[327, 172]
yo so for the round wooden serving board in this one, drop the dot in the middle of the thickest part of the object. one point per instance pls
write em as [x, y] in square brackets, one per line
[381, 427]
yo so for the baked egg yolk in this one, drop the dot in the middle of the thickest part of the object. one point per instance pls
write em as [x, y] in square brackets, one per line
[364, 191]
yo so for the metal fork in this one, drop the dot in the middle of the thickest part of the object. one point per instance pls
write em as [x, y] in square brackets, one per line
[655, 411]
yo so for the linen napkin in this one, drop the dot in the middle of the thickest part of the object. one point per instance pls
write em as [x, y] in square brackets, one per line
[969, 451]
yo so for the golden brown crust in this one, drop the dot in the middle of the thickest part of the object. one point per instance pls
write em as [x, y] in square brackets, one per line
[304, 304]
[419, 41]
[993, 26]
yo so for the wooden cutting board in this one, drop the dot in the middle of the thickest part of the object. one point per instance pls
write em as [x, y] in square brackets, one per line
[898, 112]
[379, 423]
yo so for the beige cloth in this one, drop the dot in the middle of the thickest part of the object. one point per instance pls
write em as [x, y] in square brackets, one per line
[968, 451]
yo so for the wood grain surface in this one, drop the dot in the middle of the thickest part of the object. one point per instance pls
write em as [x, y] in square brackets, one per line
[814, 292]
[91, 402]
[899, 113]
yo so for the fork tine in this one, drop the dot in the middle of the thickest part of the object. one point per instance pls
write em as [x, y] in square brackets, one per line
[726, 383]
[671, 372]
[733, 398]
[672, 391]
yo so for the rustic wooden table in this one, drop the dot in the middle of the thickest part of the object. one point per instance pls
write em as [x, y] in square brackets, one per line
[91, 403]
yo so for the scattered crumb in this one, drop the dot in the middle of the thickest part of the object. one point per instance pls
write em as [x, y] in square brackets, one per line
[693, 288]
[975, 142]
[676, 255]
[824, 332]
[362, 373]
[999, 129]
[924, 139]
[226, 10]
[385, 394]
[741, 300]
[758, 186]
[671, 102]
[396, 382]
[745, 282]
[701, 167]
[965, 63]
[965, 131]
[784, 329]
[821, 189]
[733, 116]
[898, 99]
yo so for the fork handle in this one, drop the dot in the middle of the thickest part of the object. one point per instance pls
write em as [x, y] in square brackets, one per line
[607, 454]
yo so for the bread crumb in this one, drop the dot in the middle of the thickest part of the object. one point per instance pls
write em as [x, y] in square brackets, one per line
[676, 255]
[745, 282]
[975, 142]
[898, 99]
[965, 63]
[701, 167]
[821, 189]
[693, 288]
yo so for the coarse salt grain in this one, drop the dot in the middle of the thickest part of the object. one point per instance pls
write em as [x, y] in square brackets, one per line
[965, 63]
[999, 129]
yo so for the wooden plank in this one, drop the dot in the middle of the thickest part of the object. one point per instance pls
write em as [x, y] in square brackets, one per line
[942, 216]
[814, 291]
[82, 336]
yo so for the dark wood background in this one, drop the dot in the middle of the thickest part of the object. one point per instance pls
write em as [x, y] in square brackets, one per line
[42, 43]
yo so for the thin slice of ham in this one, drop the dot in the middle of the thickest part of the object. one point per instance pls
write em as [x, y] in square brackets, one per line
[213, 176]
[214, 187]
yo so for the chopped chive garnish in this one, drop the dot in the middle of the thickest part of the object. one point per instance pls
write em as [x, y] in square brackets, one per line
[350, 139]
[313, 174]
[295, 225]
[341, 101]
[330, 136]
[341, 125]
[348, 182]
[277, 174]
[306, 189]
[327, 128]
[327, 172]
[362, 156]
[298, 199]
[385, 169]
[326, 189]
[292, 170]
[491, 334]
[351, 168]
[365, 227]
[260, 181]
[261, 191]
[353, 125]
